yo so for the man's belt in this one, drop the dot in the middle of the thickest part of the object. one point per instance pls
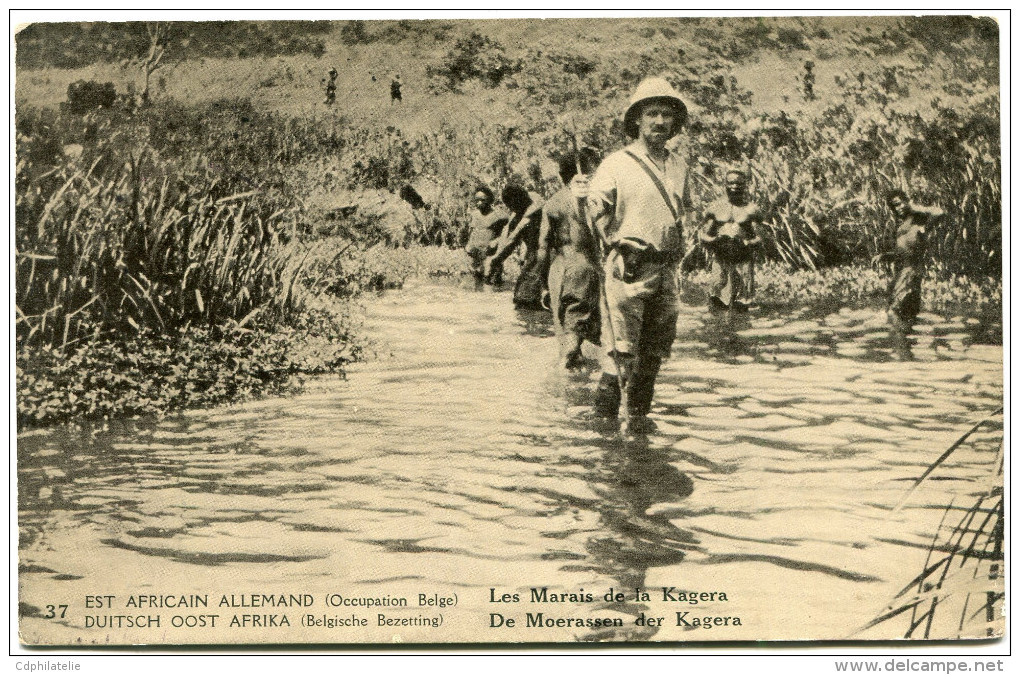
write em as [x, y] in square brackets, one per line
[644, 253]
[636, 255]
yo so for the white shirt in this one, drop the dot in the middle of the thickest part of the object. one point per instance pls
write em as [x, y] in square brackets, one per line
[627, 205]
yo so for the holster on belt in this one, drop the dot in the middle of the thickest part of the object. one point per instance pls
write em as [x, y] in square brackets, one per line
[637, 254]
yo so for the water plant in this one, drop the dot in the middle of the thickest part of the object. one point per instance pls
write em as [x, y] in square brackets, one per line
[960, 591]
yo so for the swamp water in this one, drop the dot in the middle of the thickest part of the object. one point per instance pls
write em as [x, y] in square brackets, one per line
[457, 467]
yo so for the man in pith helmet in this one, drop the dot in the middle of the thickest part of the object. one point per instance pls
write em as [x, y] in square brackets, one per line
[638, 199]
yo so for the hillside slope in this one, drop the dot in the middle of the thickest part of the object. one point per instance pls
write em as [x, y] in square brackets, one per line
[766, 56]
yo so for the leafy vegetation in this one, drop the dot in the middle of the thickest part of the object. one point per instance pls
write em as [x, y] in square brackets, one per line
[475, 57]
[151, 274]
[118, 238]
[152, 372]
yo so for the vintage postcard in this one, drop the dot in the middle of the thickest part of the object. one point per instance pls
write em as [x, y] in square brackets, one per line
[514, 331]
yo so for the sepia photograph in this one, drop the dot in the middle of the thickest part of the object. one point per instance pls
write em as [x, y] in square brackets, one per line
[507, 332]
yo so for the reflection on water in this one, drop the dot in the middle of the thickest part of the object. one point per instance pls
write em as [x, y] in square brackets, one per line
[459, 461]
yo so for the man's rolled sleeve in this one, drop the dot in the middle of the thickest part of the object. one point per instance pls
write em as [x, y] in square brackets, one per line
[602, 202]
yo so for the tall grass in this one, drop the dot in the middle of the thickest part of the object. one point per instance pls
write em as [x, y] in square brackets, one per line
[959, 593]
[157, 267]
[820, 173]
[821, 178]
[137, 246]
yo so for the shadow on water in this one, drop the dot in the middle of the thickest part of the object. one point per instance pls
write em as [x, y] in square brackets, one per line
[628, 475]
[721, 334]
[632, 476]
[785, 335]
[95, 474]
[53, 466]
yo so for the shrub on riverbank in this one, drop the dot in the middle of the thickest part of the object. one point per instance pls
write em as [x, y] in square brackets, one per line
[154, 277]
[152, 372]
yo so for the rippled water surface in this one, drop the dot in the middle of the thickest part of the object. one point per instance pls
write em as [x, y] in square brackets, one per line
[457, 461]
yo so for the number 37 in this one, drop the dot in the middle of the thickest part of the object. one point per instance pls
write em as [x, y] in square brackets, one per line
[51, 611]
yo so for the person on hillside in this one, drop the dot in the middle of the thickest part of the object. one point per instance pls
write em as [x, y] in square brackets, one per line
[809, 80]
[487, 223]
[730, 236]
[912, 227]
[523, 229]
[395, 95]
[638, 200]
[330, 84]
[570, 251]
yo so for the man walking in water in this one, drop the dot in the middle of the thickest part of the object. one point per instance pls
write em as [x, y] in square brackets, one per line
[730, 235]
[573, 270]
[913, 226]
[523, 228]
[638, 199]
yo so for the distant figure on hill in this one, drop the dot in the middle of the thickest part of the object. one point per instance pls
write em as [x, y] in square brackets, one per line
[809, 81]
[330, 87]
[487, 223]
[730, 236]
[573, 269]
[523, 228]
[395, 96]
[912, 227]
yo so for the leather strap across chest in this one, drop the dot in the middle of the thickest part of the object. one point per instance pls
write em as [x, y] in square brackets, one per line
[658, 184]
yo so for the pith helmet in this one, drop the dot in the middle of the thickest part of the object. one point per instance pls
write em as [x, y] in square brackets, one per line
[653, 88]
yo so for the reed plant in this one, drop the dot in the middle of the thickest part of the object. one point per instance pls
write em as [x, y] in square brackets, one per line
[149, 278]
[960, 591]
[136, 247]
